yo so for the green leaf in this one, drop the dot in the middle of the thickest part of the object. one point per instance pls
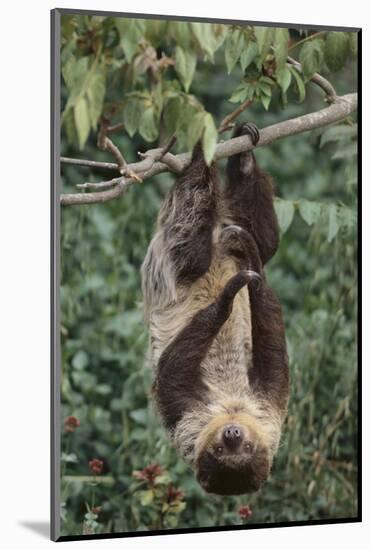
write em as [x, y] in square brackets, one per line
[339, 132]
[248, 55]
[207, 40]
[146, 497]
[185, 65]
[147, 127]
[285, 213]
[265, 99]
[233, 49]
[181, 33]
[131, 31]
[239, 95]
[68, 121]
[299, 83]
[172, 111]
[82, 120]
[310, 211]
[80, 360]
[353, 43]
[95, 94]
[195, 129]
[311, 57]
[333, 222]
[336, 49]
[209, 138]
[140, 416]
[244, 91]
[284, 78]
[70, 458]
[281, 45]
[264, 37]
[132, 115]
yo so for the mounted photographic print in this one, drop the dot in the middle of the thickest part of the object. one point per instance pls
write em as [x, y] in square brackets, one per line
[204, 276]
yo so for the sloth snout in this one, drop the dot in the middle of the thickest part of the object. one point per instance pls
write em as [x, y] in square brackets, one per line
[232, 436]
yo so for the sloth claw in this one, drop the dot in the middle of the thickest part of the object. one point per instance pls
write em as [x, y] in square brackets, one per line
[250, 129]
[254, 277]
[230, 231]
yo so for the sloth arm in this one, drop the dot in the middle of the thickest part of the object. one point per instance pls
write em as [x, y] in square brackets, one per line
[179, 385]
[269, 373]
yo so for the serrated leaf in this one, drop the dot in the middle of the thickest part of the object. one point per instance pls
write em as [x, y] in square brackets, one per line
[265, 99]
[82, 120]
[299, 83]
[281, 45]
[181, 33]
[239, 95]
[95, 95]
[147, 127]
[68, 121]
[171, 115]
[131, 31]
[207, 40]
[248, 55]
[284, 78]
[233, 48]
[333, 222]
[132, 115]
[336, 49]
[310, 211]
[195, 129]
[264, 37]
[209, 138]
[185, 65]
[311, 57]
[285, 213]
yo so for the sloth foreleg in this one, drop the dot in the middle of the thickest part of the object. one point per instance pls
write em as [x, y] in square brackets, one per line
[179, 384]
[249, 197]
[269, 373]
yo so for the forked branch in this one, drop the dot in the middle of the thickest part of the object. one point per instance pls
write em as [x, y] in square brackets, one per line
[155, 161]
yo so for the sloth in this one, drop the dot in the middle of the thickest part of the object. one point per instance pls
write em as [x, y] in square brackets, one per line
[217, 337]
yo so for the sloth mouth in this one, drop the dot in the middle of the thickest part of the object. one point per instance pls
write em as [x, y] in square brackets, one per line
[233, 475]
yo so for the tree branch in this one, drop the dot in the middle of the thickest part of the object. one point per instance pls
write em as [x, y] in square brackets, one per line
[150, 166]
[318, 79]
[226, 122]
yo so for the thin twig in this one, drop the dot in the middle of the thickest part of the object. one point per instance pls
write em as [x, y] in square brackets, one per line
[100, 186]
[115, 127]
[342, 107]
[318, 79]
[226, 122]
[306, 39]
[90, 163]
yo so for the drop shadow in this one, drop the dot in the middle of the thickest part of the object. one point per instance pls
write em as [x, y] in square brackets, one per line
[42, 528]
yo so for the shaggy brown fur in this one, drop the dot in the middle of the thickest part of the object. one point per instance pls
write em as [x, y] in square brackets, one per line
[217, 334]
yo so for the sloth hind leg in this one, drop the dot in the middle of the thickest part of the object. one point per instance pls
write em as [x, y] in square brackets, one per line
[189, 217]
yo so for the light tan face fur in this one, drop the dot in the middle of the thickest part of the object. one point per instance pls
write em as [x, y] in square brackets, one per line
[211, 436]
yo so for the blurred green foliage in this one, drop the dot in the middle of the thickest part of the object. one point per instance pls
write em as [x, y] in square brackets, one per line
[106, 381]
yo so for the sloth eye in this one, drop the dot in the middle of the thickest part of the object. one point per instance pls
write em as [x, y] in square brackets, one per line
[248, 447]
[219, 450]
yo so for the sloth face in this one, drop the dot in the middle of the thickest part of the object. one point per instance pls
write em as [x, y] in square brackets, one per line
[233, 462]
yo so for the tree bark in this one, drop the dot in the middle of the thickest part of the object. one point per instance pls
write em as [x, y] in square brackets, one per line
[341, 107]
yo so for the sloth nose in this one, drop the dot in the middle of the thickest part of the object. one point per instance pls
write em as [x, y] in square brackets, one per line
[232, 436]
